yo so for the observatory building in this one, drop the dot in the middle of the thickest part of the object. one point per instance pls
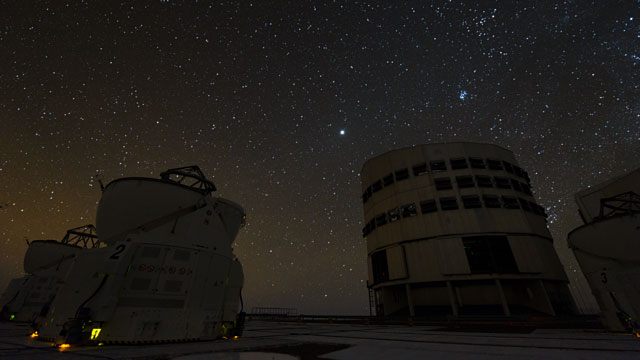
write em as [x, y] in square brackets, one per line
[454, 229]
[607, 248]
[46, 263]
[161, 270]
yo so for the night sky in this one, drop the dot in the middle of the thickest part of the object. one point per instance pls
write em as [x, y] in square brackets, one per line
[280, 104]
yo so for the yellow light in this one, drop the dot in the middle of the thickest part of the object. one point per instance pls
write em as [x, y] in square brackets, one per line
[63, 347]
[95, 333]
[34, 335]
[235, 337]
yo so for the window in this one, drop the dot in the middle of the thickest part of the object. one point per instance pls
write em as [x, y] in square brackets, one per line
[538, 209]
[448, 203]
[516, 185]
[368, 229]
[464, 181]
[510, 202]
[489, 254]
[367, 195]
[428, 206]
[524, 204]
[402, 174]
[491, 201]
[443, 183]
[471, 201]
[393, 215]
[438, 165]
[502, 182]
[388, 180]
[420, 169]
[459, 163]
[379, 266]
[365, 230]
[381, 219]
[484, 181]
[518, 171]
[372, 225]
[376, 186]
[508, 167]
[477, 163]
[494, 164]
[409, 210]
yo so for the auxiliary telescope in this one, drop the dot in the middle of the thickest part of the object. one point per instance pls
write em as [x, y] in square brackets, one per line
[162, 270]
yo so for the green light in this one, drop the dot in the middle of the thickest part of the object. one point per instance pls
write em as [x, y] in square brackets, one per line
[12, 316]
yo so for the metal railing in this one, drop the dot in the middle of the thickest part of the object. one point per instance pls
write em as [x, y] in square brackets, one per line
[625, 203]
[83, 236]
[273, 311]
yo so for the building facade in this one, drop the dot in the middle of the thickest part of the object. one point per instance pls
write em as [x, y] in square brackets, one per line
[454, 229]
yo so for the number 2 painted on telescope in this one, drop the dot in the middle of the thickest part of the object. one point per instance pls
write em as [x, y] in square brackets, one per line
[119, 249]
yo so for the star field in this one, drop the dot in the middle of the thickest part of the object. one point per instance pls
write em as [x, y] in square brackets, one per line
[280, 104]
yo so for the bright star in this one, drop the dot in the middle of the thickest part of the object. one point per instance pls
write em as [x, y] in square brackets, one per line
[463, 94]
[341, 132]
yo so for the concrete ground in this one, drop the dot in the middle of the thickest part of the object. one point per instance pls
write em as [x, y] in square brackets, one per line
[290, 340]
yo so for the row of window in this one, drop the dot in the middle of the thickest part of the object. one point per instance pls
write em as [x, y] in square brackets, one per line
[483, 181]
[441, 165]
[468, 181]
[451, 203]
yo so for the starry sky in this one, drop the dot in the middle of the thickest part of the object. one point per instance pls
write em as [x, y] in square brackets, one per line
[280, 103]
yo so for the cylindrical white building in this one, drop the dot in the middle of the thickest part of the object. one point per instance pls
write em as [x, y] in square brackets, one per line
[454, 229]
